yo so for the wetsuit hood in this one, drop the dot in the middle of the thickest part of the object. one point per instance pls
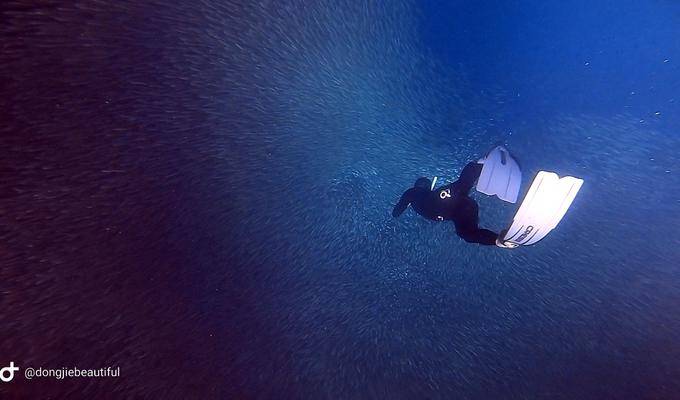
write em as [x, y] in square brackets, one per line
[423, 183]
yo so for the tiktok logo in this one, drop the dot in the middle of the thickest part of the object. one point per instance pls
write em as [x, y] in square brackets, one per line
[7, 373]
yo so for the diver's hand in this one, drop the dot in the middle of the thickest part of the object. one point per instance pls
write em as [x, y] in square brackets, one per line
[404, 201]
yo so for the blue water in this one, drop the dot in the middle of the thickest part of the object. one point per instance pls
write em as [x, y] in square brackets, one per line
[202, 194]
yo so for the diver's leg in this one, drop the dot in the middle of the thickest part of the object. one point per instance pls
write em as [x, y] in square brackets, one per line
[468, 177]
[481, 236]
[467, 220]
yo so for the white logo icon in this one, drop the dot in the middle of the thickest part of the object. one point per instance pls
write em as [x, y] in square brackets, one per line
[7, 373]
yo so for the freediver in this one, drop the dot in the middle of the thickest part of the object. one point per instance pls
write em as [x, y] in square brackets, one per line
[451, 203]
[496, 174]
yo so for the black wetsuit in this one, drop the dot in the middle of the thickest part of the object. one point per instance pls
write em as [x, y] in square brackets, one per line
[449, 203]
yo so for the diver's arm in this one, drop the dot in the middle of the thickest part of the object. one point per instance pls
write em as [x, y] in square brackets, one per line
[403, 203]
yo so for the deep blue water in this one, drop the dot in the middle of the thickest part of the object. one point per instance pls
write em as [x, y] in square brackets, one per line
[200, 193]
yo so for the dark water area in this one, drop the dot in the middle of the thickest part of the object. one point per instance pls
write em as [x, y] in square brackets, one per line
[200, 194]
[566, 56]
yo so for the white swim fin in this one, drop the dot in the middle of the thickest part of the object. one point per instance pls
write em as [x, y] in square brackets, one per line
[500, 176]
[543, 207]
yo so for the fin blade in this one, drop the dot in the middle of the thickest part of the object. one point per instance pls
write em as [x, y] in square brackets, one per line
[501, 175]
[543, 207]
